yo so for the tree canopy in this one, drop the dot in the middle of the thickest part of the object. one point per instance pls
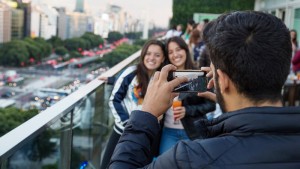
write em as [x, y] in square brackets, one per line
[19, 52]
[114, 36]
[120, 53]
[184, 10]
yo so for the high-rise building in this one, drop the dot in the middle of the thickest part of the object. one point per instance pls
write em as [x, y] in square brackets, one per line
[77, 24]
[5, 23]
[62, 21]
[79, 6]
[44, 21]
[27, 18]
[17, 24]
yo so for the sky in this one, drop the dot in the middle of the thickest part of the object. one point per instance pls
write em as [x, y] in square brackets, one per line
[158, 11]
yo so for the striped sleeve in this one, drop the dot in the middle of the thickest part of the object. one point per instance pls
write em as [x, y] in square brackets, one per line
[118, 95]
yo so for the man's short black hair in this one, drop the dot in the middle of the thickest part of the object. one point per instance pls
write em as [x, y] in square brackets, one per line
[254, 50]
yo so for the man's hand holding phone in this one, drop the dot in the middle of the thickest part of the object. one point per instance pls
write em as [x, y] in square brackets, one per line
[159, 96]
[197, 81]
[209, 95]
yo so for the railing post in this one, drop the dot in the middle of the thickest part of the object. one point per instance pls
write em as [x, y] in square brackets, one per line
[3, 164]
[66, 138]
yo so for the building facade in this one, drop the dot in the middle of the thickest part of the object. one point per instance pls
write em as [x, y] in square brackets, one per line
[5, 23]
[288, 11]
[43, 21]
[17, 24]
[79, 7]
[62, 21]
[77, 24]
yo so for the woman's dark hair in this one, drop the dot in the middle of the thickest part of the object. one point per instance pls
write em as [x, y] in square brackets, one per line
[195, 36]
[141, 71]
[181, 43]
[204, 58]
[294, 40]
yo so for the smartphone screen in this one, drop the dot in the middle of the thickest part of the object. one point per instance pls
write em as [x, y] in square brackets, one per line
[197, 81]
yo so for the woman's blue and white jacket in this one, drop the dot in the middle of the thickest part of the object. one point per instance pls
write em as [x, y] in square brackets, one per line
[122, 100]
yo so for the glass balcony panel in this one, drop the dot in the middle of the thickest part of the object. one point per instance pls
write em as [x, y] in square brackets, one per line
[74, 136]
[91, 128]
[43, 150]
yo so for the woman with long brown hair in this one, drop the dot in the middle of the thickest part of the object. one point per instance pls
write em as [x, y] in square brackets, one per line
[129, 91]
[179, 121]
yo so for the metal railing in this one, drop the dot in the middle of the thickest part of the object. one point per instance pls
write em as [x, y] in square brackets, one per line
[70, 134]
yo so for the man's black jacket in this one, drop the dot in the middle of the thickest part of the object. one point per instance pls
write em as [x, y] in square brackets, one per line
[251, 138]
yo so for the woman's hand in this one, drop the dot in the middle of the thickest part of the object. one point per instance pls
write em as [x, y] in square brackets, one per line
[210, 85]
[179, 113]
[105, 79]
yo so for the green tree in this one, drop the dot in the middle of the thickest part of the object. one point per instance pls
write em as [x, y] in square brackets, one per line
[75, 44]
[35, 50]
[55, 41]
[45, 47]
[14, 53]
[61, 51]
[11, 118]
[95, 40]
[120, 53]
[184, 10]
[133, 35]
[75, 54]
[114, 36]
[140, 42]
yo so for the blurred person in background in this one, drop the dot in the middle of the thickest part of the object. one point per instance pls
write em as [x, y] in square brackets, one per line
[196, 46]
[293, 34]
[188, 30]
[174, 31]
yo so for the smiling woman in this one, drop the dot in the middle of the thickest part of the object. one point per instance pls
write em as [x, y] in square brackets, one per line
[129, 91]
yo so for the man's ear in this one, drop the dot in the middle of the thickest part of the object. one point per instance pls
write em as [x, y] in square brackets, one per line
[223, 80]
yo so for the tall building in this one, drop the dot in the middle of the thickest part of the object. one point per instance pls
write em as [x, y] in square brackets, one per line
[27, 18]
[17, 24]
[79, 6]
[5, 23]
[35, 21]
[62, 21]
[77, 24]
[43, 21]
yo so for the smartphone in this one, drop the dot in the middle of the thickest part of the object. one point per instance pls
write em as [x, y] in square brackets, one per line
[197, 81]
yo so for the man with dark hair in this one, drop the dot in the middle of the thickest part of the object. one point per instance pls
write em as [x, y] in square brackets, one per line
[250, 59]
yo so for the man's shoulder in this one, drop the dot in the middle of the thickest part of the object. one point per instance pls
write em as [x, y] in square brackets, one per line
[208, 149]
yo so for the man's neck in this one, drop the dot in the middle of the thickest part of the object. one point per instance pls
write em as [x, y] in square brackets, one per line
[239, 102]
